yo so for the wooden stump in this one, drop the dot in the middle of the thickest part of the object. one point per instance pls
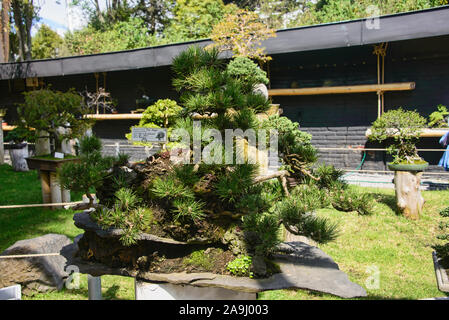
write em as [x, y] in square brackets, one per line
[408, 196]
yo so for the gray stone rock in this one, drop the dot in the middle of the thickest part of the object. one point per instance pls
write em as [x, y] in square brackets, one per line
[302, 267]
[40, 274]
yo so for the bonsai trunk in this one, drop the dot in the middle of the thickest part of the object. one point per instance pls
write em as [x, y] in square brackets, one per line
[408, 196]
[43, 144]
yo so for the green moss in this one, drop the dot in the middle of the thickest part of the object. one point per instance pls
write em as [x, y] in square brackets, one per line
[200, 259]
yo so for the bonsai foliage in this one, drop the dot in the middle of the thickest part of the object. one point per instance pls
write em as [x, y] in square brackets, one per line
[161, 114]
[50, 111]
[438, 119]
[247, 72]
[206, 87]
[90, 171]
[126, 214]
[17, 135]
[294, 145]
[404, 128]
[242, 33]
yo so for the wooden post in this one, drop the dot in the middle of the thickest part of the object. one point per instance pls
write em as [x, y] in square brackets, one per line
[56, 195]
[45, 185]
[408, 196]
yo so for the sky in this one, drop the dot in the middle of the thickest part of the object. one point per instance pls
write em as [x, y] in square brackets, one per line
[60, 16]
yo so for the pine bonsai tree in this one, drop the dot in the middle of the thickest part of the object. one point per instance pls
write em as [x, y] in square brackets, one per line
[90, 172]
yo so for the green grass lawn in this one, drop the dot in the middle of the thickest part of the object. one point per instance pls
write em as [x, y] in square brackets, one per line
[398, 248]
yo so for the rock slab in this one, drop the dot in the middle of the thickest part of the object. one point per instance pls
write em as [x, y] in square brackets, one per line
[41, 274]
[302, 267]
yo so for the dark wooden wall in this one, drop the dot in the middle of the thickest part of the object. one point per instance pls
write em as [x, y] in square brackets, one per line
[334, 120]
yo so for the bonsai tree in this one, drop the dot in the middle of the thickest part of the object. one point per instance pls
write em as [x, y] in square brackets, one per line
[161, 114]
[438, 119]
[53, 115]
[404, 128]
[18, 150]
[91, 171]
[223, 202]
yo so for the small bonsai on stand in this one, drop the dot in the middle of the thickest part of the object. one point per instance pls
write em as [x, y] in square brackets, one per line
[53, 115]
[403, 128]
[52, 119]
[18, 148]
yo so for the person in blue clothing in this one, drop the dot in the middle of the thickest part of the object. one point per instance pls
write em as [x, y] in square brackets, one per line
[444, 161]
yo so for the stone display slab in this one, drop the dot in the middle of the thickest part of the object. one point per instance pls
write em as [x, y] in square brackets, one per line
[302, 267]
[42, 274]
[440, 273]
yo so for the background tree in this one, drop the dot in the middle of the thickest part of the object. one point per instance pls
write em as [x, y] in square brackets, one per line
[242, 33]
[47, 44]
[25, 13]
[194, 19]
[4, 30]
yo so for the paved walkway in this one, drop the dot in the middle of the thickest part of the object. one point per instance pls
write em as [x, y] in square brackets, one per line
[386, 181]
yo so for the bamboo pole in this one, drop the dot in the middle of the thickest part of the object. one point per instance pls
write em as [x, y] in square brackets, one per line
[364, 88]
[425, 133]
[120, 116]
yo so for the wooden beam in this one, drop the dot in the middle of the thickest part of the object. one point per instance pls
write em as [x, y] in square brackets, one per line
[118, 116]
[364, 88]
[425, 133]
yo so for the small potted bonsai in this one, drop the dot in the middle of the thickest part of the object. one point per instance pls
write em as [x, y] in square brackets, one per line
[403, 128]
[55, 117]
[18, 148]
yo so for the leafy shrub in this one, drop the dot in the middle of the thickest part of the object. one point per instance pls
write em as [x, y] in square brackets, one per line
[240, 266]
[437, 119]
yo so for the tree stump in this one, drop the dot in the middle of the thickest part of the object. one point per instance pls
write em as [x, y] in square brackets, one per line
[408, 196]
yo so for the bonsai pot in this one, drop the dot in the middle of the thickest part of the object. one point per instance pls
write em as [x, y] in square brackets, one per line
[441, 274]
[408, 166]
[45, 164]
[18, 153]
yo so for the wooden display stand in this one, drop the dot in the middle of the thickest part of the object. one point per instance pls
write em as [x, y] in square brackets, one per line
[52, 192]
[408, 196]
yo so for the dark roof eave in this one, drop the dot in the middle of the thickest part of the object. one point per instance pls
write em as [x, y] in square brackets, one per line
[405, 26]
